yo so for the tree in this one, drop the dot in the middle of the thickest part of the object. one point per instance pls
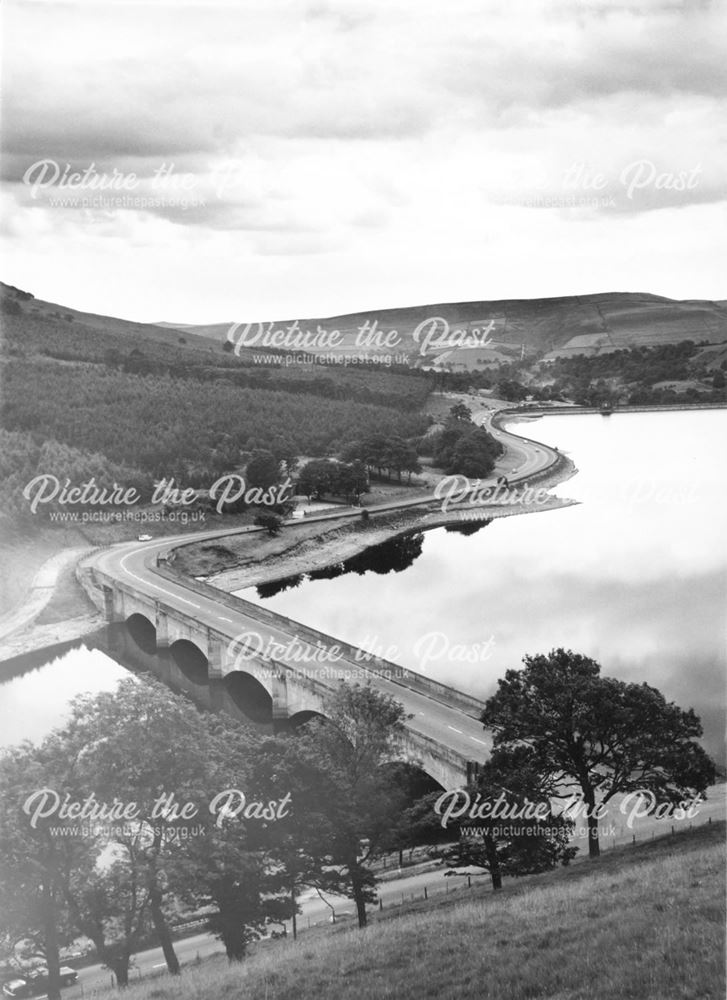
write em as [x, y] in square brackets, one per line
[602, 736]
[411, 464]
[520, 834]
[262, 470]
[271, 522]
[232, 867]
[322, 476]
[35, 861]
[353, 791]
[139, 743]
[474, 454]
[297, 842]
[352, 480]
[317, 477]
[511, 389]
[461, 413]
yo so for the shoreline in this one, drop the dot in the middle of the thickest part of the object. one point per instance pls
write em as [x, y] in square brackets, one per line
[302, 551]
[344, 541]
[535, 411]
[323, 546]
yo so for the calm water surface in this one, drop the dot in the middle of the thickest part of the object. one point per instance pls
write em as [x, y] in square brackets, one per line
[635, 576]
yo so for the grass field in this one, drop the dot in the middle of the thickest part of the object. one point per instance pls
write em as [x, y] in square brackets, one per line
[644, 923]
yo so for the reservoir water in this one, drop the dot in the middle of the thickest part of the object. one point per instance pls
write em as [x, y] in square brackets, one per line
[634, 576]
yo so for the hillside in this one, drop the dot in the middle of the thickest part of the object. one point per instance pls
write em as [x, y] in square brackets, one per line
[510, 328]
[642, 923]
[119, 404]
[538, 327]
[122, 328]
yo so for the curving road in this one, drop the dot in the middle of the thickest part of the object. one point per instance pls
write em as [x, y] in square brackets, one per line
[135, 564]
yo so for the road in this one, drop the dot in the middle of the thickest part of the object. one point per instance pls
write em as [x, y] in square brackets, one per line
[401, 888]
[134, 563]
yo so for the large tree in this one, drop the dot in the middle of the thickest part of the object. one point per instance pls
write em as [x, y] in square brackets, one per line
[516, 831]
[596, 735]
[36, 857]
[353, 789]
[143, 744]
[231, 866]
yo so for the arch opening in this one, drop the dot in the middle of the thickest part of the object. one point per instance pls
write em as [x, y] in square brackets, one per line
[249, 696]
[299, 719]
[191, 661]
[143, 632]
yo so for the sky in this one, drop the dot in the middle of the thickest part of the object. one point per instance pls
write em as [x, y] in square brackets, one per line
[270, 159]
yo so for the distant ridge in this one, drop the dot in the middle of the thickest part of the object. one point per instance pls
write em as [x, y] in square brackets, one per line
[537, 328]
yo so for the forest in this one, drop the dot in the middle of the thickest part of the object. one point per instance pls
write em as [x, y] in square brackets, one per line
[181, 427]
[134, 411]
[26, 335]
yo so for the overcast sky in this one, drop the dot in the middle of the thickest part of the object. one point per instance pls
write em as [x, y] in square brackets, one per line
[353, 154]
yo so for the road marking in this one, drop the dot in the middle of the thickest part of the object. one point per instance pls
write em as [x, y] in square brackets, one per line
[148, 583]
[160, 965]
[455, 730]
[478, 741]
[223, 619]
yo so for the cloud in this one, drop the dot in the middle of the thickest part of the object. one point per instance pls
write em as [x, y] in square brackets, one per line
[394, 139]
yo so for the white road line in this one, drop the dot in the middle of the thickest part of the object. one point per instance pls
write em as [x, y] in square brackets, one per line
[478, 741]
[223, 619]
[455, 730]
[160, 965]
[148, 583]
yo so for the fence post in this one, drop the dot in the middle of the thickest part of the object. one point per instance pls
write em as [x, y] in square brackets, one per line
[469, 881]
[425, 892]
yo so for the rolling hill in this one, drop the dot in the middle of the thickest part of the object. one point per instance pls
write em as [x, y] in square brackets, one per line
[470, 334]
[554, 327]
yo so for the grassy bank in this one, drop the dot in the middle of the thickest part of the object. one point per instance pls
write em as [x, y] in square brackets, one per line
[639, 923]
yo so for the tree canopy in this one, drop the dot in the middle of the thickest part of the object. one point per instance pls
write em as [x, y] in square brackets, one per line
[597, 735]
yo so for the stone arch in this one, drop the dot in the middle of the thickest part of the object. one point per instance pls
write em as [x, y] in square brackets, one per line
[249, 695]
[143, 632]
[191, 661]
[299, 719]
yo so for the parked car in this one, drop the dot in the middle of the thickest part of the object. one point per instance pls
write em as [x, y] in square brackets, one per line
[34, 983]
[144, 538]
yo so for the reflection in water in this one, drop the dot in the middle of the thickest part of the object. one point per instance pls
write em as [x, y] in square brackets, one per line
[467, 529]
[634, 576]
[388, 557]
[266, 590]
[36, 690]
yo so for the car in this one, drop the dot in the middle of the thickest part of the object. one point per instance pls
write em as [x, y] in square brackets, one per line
[17, 988]
[36, 982]
[144, 538]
